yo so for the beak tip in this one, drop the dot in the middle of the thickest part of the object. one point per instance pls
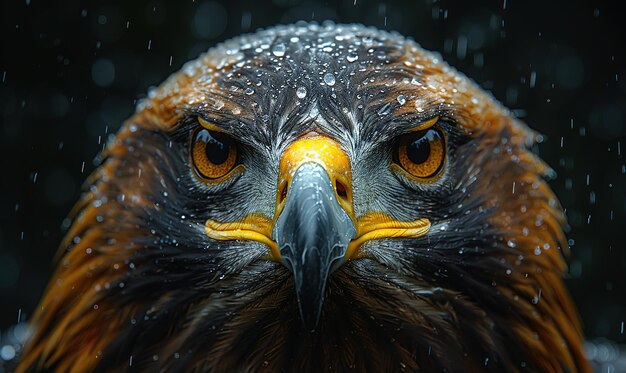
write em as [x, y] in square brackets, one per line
[310, 320]
[310, 298]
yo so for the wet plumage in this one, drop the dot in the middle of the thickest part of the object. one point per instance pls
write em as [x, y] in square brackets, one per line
[141, 284]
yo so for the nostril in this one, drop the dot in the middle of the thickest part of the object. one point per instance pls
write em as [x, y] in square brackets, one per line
[341, 189]
[283, 191]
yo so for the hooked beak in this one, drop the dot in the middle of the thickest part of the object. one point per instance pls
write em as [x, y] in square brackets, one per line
[314, 229]
[312, 232]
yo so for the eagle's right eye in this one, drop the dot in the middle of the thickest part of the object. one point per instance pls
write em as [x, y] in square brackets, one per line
[213, 154]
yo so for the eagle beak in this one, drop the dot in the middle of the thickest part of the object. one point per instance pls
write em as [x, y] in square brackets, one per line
[314, 217]
[312, 232]
[314, 229]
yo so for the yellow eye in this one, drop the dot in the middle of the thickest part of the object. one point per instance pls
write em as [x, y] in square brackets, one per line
[213, 154]
[422, 153]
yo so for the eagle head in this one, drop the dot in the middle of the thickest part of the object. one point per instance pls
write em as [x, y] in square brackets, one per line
[314, 197]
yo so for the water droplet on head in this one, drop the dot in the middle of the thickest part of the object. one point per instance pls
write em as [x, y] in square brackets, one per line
[402, 99]
[351, 57]
[279, 50]
[301, 92]
[218, 105]
[385, 109]
[249, 91]
[535, 299]
[329, 79]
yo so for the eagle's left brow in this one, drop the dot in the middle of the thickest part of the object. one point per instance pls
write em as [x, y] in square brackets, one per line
[394, 124]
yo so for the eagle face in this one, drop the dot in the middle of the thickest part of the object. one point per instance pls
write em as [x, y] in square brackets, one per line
[314, 198]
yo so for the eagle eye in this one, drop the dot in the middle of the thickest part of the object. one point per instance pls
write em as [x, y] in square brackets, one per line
[422, 153]
[213, 154]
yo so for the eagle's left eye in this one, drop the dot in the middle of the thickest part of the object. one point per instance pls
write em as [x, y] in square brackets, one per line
[213, 154]
[422, 154]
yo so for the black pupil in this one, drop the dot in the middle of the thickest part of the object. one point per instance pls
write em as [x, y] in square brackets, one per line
[217, 148]
[418, 150]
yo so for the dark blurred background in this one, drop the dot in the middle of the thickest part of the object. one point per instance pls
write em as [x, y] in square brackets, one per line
[71, 72]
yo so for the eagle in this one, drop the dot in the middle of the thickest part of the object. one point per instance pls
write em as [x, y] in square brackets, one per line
[314, 197]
